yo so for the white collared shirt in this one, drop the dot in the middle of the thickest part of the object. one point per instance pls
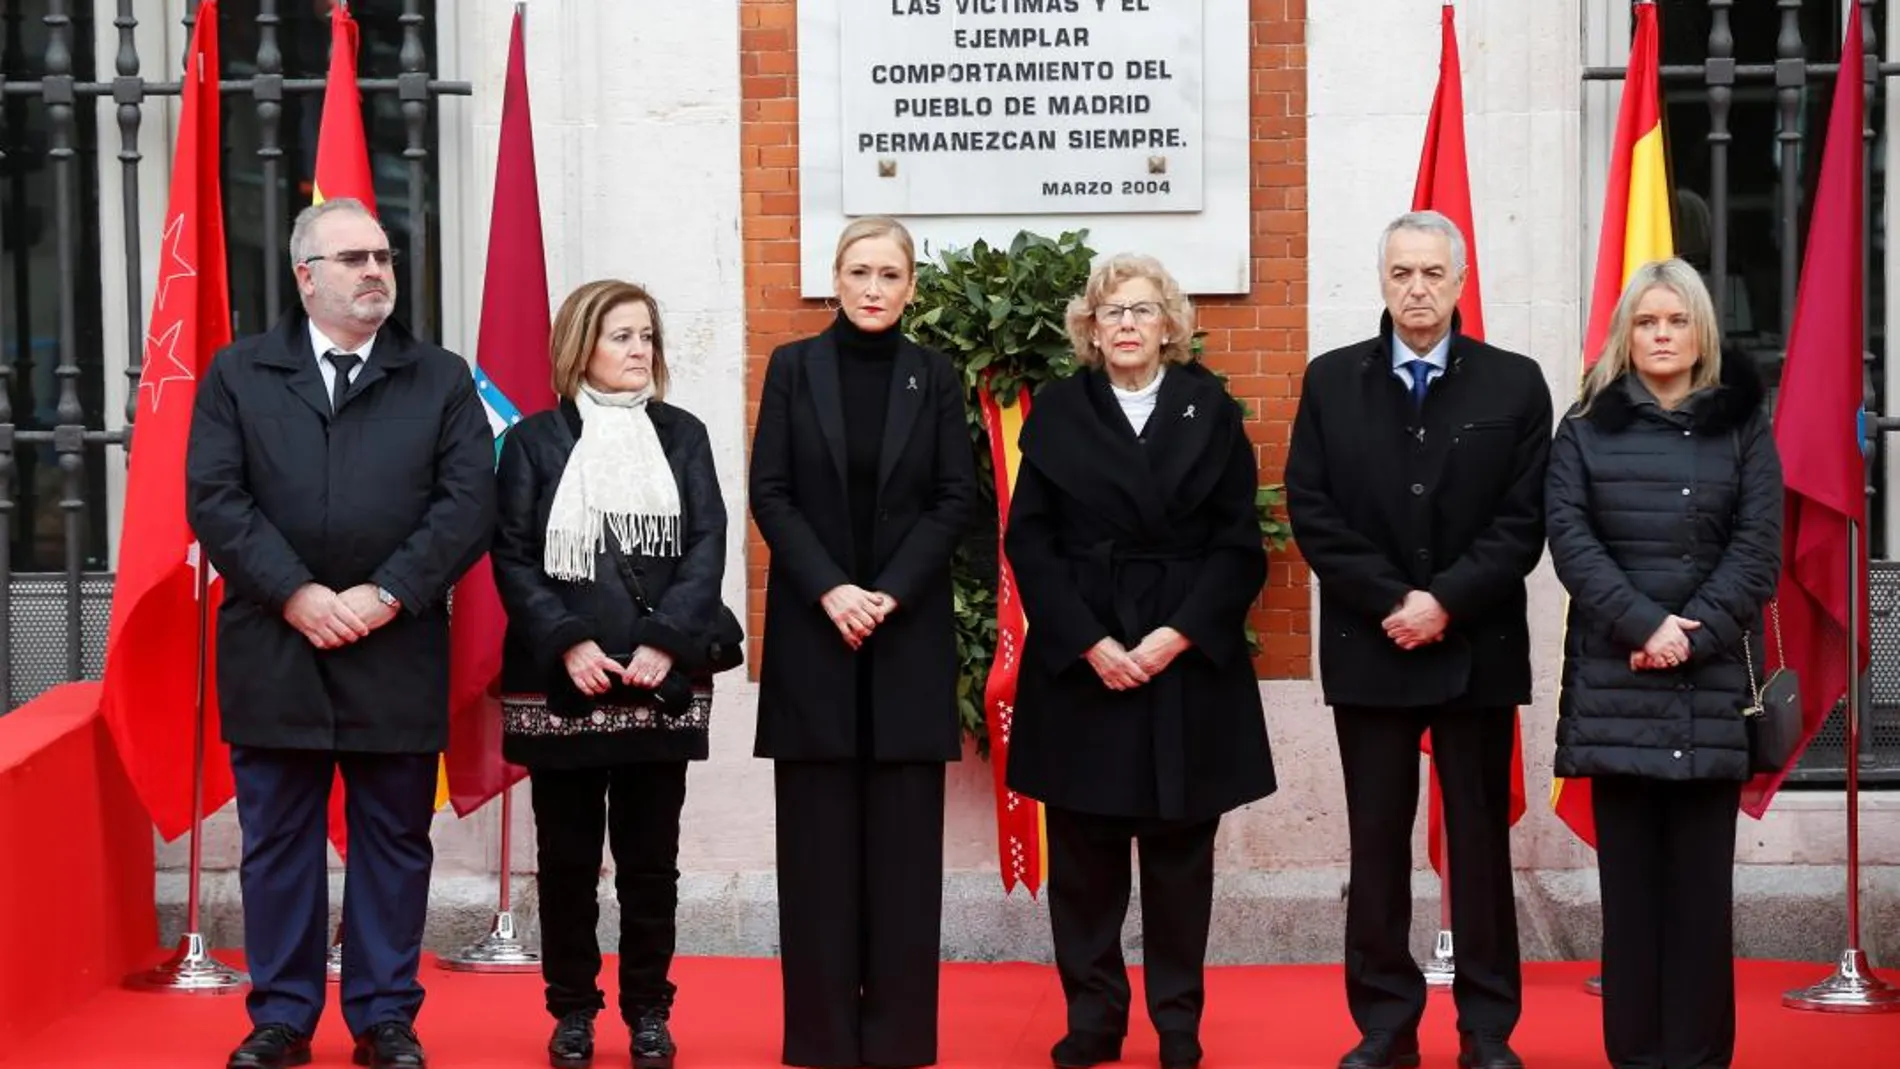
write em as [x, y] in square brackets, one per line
[321, 344]
[1402, 355]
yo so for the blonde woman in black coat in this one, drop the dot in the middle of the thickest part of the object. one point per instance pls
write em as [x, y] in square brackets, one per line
[1135, 540]
[862, 484]
[1664, 508]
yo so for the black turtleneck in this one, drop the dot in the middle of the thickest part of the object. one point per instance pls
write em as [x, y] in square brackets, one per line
[864, 382]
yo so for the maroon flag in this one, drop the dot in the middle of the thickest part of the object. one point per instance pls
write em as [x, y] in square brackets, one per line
[1817, 430]
[511, 374]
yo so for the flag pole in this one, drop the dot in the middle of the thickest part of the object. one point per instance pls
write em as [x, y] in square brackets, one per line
[1442, 969]
[1853, 988]
[502, 949]
[192, 969]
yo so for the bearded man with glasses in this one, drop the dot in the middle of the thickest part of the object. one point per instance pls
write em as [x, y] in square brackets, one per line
[341, 479]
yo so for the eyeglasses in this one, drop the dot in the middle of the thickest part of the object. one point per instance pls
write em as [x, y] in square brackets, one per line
[354, 258]
[1143, 311]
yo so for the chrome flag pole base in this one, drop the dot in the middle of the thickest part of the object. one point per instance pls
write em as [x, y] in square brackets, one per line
[192, 971]
[501, 950]
[1594, 986]
[1441, 970]
[1852, 989]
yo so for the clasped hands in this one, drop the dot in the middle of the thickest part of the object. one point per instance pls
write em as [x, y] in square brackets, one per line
[1418, 621]
[593, 672]
[1667, 648]
[856, 612]
[331, 620]
[1121, 668]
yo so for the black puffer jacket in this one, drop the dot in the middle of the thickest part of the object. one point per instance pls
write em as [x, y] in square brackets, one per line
[1653, 512]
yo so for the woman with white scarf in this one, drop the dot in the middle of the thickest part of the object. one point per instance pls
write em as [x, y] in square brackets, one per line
[609, 554]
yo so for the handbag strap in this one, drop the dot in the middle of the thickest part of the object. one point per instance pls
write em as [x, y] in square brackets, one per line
[1748, 658]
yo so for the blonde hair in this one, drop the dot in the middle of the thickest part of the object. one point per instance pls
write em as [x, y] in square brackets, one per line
[577, 330]
[1614, 361]
[1114, 271]
[876, 226]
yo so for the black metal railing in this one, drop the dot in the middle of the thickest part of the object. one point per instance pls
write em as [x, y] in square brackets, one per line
[52, 623]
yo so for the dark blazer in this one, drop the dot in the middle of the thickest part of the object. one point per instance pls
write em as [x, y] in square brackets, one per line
[1451, 502]
[808, 678]
[1114, 536]
[548, 616]
[397, 488]
[1654, 512]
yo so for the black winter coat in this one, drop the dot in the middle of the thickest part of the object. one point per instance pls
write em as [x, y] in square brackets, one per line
[808, 701]
[548, 616]
[1111, 535]
[1654, 512]
[1451, 502]
[396, 488]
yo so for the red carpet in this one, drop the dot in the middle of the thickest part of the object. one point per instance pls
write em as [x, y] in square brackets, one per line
[995, 1016]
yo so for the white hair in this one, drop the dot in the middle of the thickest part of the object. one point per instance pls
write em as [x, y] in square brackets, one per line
[1428, 222]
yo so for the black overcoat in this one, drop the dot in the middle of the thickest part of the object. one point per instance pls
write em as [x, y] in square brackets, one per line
[1111, 535]
[1450, 501]
[808, 704]
[397, 488]
[548, 616]
[1654, 512]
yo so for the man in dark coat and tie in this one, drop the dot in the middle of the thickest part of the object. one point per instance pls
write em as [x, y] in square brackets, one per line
[340, 478]
[1415, 483]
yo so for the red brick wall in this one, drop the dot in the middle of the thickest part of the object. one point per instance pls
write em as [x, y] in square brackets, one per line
[1258, 341]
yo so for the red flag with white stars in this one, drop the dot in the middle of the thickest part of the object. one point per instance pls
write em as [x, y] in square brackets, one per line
[149, 696]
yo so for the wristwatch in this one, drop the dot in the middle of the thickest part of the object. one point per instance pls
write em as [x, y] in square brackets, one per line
[387, 598]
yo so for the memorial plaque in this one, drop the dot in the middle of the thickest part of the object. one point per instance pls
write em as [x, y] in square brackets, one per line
[1004, 107]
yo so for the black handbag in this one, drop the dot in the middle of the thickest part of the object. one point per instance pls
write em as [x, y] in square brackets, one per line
[1774, 720]
[725, 647]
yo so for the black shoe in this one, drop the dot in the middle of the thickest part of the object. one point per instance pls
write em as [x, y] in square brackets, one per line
[389, 1045]
[572, 1045]
[1079, 1050]
[1383, 1050]
[271, 1046]
[1486, 1052]
[1180, 1050]
[652, 1044]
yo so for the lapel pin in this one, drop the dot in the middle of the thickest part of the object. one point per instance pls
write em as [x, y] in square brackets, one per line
[1189, 414]
[912, 384]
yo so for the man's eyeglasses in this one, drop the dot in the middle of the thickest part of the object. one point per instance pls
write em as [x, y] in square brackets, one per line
[1143, 311]
[357, 257]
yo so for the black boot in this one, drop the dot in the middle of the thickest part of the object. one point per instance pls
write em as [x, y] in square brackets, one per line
[652, 1043]
[572, 1044]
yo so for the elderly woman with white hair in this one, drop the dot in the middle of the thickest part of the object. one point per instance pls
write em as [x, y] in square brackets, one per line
[1136, 544]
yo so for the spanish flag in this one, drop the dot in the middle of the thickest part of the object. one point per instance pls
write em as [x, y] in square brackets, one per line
[342, 149]
[1636, 230]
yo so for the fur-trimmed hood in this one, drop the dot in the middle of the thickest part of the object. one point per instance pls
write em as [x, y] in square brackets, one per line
[1725, 407]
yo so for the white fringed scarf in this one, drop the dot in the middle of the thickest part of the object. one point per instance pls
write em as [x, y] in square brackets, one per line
[616, 481]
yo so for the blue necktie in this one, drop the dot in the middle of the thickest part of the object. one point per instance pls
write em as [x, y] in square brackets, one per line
[1421, 373]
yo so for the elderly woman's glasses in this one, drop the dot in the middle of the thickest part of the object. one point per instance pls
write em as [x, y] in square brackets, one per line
[1143, 311]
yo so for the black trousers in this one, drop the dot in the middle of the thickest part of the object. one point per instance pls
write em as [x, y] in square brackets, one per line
[1088, 900]
[636, 807]
[1666, 862]
[283, 800]
[1378, 748]
[860, 908]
